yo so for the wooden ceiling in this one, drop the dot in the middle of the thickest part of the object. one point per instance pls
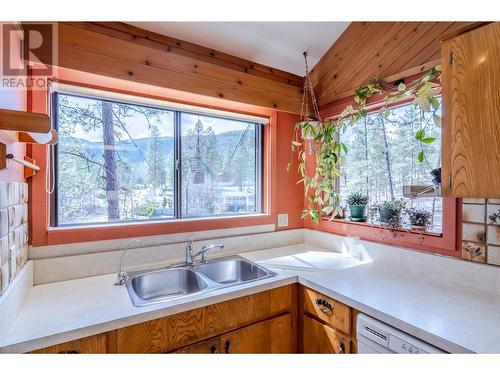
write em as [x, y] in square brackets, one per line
[123, 51]
[387, 50]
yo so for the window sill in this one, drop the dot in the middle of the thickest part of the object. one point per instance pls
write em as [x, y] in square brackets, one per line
[383, 227]
[86, 233]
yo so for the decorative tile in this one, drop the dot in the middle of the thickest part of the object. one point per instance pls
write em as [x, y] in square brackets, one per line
[13, 263]
[493, 255]
[493, 214]
[4, 250]
[24, 213]
[23, 192]
[473, 232]
[473, 251]
[4, 195]
[4, 276]
[4, 222]
[473, 212]
[494, 200]
[493, 236]
[13, 191]
[474, 200]
[22, 257]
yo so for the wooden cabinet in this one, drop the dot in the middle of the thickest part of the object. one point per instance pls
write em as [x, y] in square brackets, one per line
[271, 336]
[211, 346]
[320, 338]
[327, 324]
[471, 114]
[170, 333]
[87, 345]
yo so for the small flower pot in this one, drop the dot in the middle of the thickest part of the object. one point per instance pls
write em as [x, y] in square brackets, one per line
[357, 212]
[386, 214]
[307, 135]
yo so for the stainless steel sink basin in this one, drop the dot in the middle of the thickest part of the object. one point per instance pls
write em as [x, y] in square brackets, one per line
[232, 271]
[158, 285]
[149, 287]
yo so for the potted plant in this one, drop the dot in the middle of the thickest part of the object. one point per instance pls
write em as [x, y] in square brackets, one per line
[357, 206]
[310, 127]
[420, 219]
[390, 212]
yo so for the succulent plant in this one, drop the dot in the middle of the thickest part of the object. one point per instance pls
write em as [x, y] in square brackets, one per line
[419, 217]
[357, 199]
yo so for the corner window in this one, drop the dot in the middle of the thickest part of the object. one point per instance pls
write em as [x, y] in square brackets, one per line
[119, 162]
[382, 158]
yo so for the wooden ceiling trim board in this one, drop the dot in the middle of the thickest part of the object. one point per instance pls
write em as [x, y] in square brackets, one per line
[430, 49]
[212, 55]
[345, 59]
[406, 48]
[73, 58]
[331, 57]
[106, 45]
[353, 64]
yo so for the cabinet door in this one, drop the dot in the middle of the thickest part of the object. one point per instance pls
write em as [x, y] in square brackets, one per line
[211, 346]
[88, 345]
[471, 113]
[268, 337]
[318, 338]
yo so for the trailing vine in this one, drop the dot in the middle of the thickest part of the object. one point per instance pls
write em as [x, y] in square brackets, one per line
[321, 139]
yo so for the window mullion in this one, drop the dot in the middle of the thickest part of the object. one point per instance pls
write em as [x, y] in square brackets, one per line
[177, 165]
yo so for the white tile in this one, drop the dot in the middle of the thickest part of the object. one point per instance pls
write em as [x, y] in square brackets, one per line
[4, 222]
[24, 213]
[13, 262]
[473, 213]
[493, 201]
[4, 195]
[492, 210]
[4, 250]
[5, 276]
[473, 232]
[493, 254]
[13, 188]
[23, 192]
[493, 236]
[474, 200]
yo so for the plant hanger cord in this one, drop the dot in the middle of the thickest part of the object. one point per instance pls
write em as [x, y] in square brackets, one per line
[309, 87]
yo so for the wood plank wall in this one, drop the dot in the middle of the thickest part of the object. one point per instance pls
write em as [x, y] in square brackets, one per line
[388, 50]
[123, 51]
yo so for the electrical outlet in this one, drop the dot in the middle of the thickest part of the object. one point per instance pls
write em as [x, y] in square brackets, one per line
[282, 220]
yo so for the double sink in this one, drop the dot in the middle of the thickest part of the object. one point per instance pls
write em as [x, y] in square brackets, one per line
[147, 287]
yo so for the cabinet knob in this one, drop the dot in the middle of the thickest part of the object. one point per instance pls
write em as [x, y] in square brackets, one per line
[213, 349]
[227, 345]
[342, 348]
[324, 306]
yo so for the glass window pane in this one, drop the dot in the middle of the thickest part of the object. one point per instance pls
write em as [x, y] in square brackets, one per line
[219, 166]
[115, 162]
[382, 158]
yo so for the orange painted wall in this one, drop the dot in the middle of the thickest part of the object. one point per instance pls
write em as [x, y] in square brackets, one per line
[16, 100]
[281, 194]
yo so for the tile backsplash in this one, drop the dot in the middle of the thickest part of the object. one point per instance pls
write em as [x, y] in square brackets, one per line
[481, 230]
[13, 230]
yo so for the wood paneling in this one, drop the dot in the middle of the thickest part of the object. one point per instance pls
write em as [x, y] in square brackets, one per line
[319, 338]
[273, 336]
[382, 49]
[471, 113]
[126, 52]
[176, 331]
[87, 345]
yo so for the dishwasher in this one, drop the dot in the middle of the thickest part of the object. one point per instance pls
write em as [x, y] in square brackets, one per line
[376, 337]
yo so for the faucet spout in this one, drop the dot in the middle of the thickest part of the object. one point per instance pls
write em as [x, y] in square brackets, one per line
[122, 276]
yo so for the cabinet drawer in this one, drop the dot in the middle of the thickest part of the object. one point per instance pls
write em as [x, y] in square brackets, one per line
[327, 309]
[319, 338]
[88, 345]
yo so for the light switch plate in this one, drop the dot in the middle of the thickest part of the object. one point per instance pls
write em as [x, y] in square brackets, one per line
[282, 220]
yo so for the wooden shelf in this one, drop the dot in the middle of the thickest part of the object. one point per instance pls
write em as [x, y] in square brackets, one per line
[24, 121]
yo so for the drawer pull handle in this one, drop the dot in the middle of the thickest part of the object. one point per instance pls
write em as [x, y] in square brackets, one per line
[213, 349]
[227, 345]
[324, 306]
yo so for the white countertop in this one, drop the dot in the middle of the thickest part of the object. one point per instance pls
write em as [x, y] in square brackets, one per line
[447, 315]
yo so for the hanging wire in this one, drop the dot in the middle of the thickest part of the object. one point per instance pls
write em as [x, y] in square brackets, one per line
[309, 87]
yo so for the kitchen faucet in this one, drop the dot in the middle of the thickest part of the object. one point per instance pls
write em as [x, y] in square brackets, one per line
[122, 276]
[190, 257]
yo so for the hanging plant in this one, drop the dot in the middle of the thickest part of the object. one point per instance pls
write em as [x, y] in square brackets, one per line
[321, 139]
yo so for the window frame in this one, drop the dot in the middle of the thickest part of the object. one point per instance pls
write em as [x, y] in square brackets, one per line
[445, 243]
[177, 161]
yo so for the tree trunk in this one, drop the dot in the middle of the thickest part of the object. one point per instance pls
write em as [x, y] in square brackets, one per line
[110, 176]
[387, 157]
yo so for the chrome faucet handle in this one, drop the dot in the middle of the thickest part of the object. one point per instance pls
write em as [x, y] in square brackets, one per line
[121, 277]
[204, 250]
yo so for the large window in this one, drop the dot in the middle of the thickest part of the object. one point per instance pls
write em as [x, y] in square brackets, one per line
[383, 157]
[123, 162]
